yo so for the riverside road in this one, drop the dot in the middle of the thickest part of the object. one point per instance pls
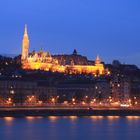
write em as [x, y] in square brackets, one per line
[68, 111]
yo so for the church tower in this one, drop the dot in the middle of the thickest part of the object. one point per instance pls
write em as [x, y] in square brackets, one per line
[25, 45]
[98, 60]
[99, 66]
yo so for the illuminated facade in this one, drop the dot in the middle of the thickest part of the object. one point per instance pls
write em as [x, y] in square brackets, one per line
[44, 61]
[25, 45]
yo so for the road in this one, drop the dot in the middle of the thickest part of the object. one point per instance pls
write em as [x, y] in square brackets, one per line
[66, 108]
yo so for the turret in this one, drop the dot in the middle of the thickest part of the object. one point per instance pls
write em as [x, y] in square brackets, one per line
[75, 52]
[98, 60]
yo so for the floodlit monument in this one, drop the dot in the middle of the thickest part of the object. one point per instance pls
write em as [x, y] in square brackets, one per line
[44, 61]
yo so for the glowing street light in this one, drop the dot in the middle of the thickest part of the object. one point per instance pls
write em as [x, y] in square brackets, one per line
[73, 99]
[53, 100]
[9, 101]
[86, 97]
[136, 103]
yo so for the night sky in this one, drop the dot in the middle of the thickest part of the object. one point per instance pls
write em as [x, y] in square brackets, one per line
[110, 28]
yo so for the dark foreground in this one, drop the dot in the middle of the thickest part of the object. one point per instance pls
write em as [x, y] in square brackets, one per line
[38, 111]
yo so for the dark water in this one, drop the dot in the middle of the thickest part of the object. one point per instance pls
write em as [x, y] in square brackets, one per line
[70, 128]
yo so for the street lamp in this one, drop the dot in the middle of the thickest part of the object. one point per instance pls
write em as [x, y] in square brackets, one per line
[73, 99]
[53, 100]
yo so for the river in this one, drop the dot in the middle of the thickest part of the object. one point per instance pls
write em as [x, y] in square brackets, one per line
[70, 128]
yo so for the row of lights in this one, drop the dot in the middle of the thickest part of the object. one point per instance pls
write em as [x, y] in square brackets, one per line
[33, 100]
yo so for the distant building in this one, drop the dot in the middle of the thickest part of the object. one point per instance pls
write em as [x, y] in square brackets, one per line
[58, 63]
[102, 89]
[66, 88]
[19, 89]
[121, 87]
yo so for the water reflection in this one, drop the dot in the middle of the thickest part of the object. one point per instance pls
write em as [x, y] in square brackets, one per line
[8, 119]
[96, 117]
[113, 117]
[53, 118]
[73, 117]
[132, 117]
[70, 128]
[30, 118]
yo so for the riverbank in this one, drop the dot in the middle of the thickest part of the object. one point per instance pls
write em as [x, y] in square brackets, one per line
[39, 111]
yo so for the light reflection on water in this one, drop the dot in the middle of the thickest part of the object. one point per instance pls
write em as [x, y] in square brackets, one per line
[53, 118]
[132, 117]
[70, 128]
[8, 119]
[30, 118]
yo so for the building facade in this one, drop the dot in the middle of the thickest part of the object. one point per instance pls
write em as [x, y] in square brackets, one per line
[74, 64]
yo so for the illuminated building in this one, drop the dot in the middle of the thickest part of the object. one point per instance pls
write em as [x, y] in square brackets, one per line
[21, 90]
[25, 45]
[44, 61]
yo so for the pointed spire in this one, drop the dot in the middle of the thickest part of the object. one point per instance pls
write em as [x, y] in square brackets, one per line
[25, 31]
[98, 60]
[25, 45]
[75, 52]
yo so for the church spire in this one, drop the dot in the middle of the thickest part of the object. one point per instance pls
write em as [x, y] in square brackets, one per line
[25, 44]
[25, 30]
[98, 60]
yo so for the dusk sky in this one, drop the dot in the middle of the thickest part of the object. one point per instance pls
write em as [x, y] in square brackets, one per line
[110, 28]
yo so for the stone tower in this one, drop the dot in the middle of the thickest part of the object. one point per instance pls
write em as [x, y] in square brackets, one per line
[25, 45]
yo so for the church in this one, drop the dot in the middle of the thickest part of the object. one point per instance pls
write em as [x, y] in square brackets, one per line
[71, 64]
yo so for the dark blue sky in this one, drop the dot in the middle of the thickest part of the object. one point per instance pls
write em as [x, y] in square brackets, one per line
[110, 28]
